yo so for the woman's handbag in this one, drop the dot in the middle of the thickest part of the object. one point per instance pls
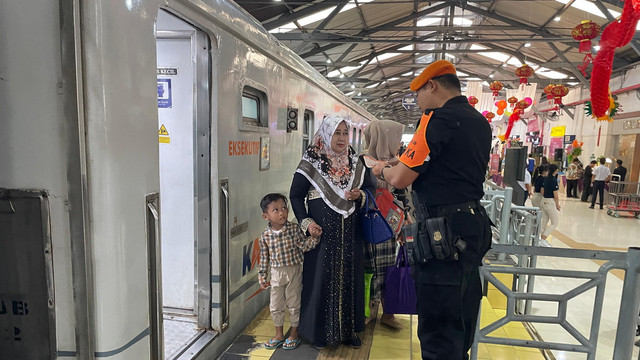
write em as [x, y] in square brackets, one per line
[391, 208]
[374, 226]
[399, 288]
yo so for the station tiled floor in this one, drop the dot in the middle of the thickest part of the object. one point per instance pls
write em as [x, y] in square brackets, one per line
[580, 228]
[379, 342]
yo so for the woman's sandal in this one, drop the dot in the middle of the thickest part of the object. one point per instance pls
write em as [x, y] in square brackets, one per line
[291, 344]
[273, 344]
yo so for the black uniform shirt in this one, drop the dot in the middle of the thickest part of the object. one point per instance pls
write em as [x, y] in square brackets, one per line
[622, 171]
[451, 153]
[550, 185]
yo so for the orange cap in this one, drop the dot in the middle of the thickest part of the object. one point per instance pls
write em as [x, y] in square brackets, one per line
[437, 68]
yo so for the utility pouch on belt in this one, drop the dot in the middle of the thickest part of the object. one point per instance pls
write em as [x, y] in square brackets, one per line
[431, 238]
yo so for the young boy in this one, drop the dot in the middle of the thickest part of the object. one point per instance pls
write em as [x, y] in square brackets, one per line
[281, 246]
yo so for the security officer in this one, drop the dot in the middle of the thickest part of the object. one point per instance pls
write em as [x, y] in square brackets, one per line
[445, 162]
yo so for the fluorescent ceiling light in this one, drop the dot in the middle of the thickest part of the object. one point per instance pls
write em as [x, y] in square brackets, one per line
[460, 73]
[589, 7]
[383, 57]
[372, 86]
[473, 79]
[495, 55]
[408, 47]
[321, 15]
[542, 71]
[527, 45]
[393, 79]
[573, 83]
[485, 83]
[450, 56]
[557, 18]
[408, 74]
[353, 86]
[458, 21]
[491, 76]
[477, 47]
[350, 93]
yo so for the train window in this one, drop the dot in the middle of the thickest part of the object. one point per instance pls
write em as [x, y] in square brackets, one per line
[254, 107]
[307, 129]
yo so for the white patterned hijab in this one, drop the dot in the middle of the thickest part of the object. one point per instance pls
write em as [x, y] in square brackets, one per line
[331, 173]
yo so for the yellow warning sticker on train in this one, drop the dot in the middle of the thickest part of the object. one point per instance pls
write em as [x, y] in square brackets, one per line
[163, 135]
[163, 131]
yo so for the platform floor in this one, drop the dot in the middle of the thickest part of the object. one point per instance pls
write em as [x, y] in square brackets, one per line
[580, 228]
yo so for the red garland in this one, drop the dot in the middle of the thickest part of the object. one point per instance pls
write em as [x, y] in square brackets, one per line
[617, 34]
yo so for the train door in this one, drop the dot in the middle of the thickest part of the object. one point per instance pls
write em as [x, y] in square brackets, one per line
[183, 64]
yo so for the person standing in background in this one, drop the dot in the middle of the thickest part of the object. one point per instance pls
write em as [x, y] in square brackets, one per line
[572, 179]
[550, 204]
[601, 175]
[620, 170]
[586, 181]
[531, 164]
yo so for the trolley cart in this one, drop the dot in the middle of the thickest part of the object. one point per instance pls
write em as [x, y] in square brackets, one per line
[623, 196]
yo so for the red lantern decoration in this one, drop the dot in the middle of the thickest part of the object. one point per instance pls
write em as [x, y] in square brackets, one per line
[547, 90]
[584, 32]
[558, 92]
[495, 86]
[521, 106]
[489, 116]
[473, 101]
[512, 101]
[524, 72]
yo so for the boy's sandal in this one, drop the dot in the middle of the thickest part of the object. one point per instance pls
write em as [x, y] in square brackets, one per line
[273, 344]
[291, 344]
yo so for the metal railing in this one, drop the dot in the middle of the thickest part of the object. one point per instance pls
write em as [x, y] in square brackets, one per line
[628, 313]
[517, 235]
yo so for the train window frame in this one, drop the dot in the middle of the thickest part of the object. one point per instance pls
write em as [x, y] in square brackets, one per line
[308, 126]
[257, 94]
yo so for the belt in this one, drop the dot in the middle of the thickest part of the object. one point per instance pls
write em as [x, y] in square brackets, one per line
[313, 194]
[471, 207]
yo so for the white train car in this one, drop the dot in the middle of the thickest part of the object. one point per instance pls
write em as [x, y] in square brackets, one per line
[137, 138]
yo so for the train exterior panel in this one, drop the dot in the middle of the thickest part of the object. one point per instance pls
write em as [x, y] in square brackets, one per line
[84, 128]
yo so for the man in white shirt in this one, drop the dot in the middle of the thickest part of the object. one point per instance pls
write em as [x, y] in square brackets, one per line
[526, 186]
[601, 174]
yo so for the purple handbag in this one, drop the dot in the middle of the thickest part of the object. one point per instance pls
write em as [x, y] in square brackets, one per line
[399, 289]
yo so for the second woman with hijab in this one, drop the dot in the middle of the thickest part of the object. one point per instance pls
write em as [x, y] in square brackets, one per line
[383, 140]
[330, 176]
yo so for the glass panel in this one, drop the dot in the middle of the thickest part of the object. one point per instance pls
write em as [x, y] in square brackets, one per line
[249, 107]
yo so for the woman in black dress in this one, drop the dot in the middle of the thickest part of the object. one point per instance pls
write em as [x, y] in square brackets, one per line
[330, 176]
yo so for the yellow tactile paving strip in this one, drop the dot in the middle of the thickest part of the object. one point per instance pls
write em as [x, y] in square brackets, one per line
[383, 343]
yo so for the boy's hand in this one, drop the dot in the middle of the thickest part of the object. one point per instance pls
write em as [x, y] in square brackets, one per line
[316, 231]
[265, 285]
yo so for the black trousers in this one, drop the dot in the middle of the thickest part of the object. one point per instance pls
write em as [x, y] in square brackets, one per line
[447, 317]
[449, 292]
[572, 188]
[586, 191]
[598, 189]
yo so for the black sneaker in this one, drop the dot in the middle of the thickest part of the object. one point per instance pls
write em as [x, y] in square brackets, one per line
[590, 207]
[355, 342]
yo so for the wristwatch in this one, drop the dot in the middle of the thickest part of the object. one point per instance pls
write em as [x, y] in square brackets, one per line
[382, 172]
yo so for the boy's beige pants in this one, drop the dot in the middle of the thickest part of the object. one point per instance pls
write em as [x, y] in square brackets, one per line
[286, 290]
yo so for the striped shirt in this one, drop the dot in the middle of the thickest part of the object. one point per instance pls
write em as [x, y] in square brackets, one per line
[283, 248]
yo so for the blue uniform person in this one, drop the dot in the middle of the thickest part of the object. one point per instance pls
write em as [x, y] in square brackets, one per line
[445, 162]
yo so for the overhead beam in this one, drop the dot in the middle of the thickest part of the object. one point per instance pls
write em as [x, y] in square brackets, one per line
[374, 30]
[575, 71]
[336, 38]
[290, 17]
